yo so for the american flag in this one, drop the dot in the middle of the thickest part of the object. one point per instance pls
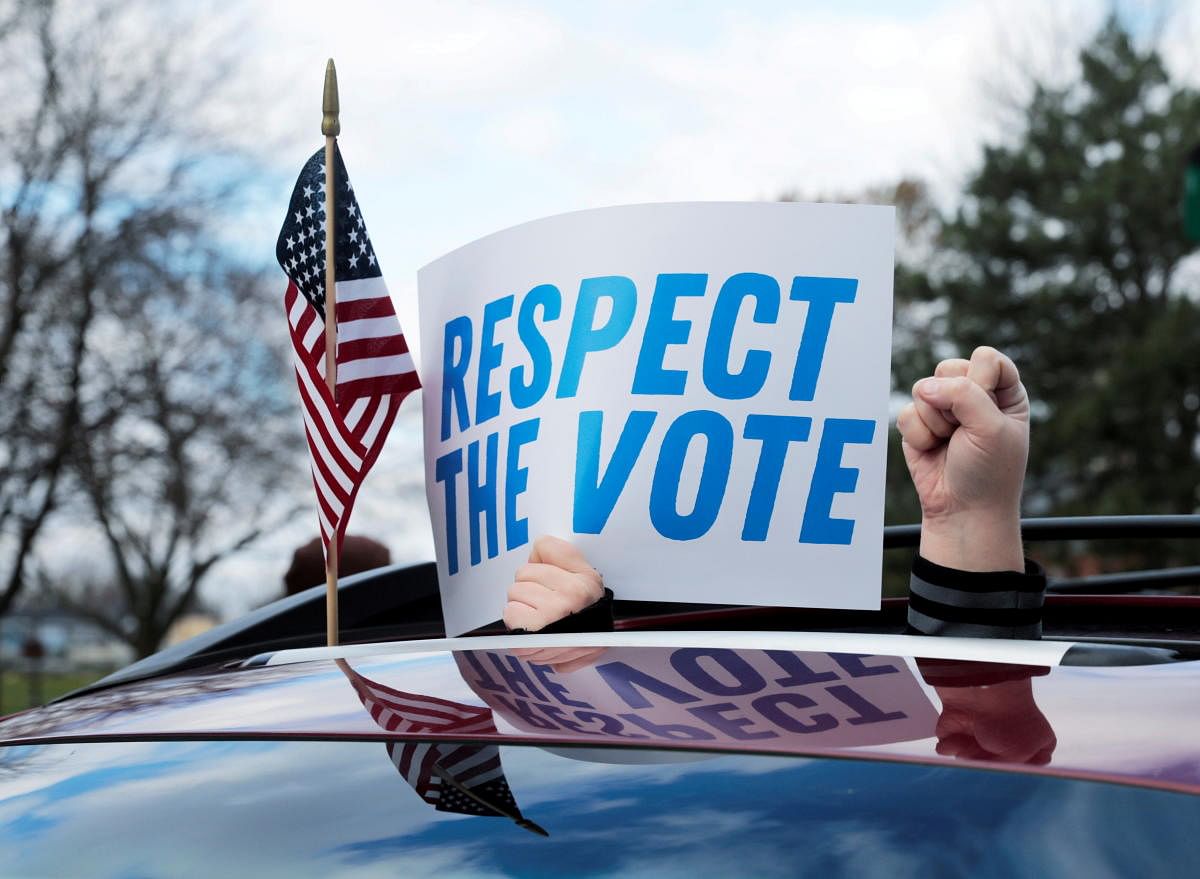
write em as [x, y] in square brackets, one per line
[345, 430]
[450, 776]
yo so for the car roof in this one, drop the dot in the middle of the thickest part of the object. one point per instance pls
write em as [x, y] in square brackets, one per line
[301, 809]
[1107, 712]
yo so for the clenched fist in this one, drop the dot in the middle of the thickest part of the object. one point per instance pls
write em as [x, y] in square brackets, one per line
[966, 440]
[998, 722]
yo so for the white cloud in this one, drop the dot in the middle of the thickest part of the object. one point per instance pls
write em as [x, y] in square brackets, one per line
[462, 118]
[533, 132]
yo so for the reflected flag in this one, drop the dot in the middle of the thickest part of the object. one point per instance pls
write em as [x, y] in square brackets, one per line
[452, 777]
[400, 712]
[467, 779]
[345, 429]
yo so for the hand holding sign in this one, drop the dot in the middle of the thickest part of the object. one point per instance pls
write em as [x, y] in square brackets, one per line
[966, 440]
[556, 582]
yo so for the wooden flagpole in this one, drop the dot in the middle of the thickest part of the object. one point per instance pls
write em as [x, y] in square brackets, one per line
[331, 127]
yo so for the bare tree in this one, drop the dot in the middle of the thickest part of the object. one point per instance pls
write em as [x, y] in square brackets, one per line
[111, 182]
[196, 462]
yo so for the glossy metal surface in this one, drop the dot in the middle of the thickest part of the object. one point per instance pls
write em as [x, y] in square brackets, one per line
[340, 809]
[1140, 725]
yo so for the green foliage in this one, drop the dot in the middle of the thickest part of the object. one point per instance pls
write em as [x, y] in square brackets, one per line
[21, 690]
[1067, 252]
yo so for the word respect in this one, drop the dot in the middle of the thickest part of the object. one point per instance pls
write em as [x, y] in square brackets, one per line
[475, 387]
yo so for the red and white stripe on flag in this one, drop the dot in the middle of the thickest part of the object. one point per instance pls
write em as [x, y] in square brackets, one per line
[375, 373]
[400, 712]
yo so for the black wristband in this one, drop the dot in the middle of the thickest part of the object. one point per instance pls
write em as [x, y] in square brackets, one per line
[976, 604]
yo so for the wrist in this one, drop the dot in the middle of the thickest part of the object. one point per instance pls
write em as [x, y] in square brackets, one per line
[974, 540]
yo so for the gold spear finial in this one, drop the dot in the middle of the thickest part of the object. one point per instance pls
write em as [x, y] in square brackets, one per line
[330, 125]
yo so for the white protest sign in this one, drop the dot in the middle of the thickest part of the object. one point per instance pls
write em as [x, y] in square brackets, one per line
[754, 698]
[694, 394]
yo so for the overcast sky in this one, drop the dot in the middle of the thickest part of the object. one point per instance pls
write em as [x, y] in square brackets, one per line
[462, 118]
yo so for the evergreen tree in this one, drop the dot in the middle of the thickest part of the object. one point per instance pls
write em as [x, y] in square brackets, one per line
[1068, 252]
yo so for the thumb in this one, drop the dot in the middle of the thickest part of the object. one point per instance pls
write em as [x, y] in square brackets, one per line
[968, 402]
